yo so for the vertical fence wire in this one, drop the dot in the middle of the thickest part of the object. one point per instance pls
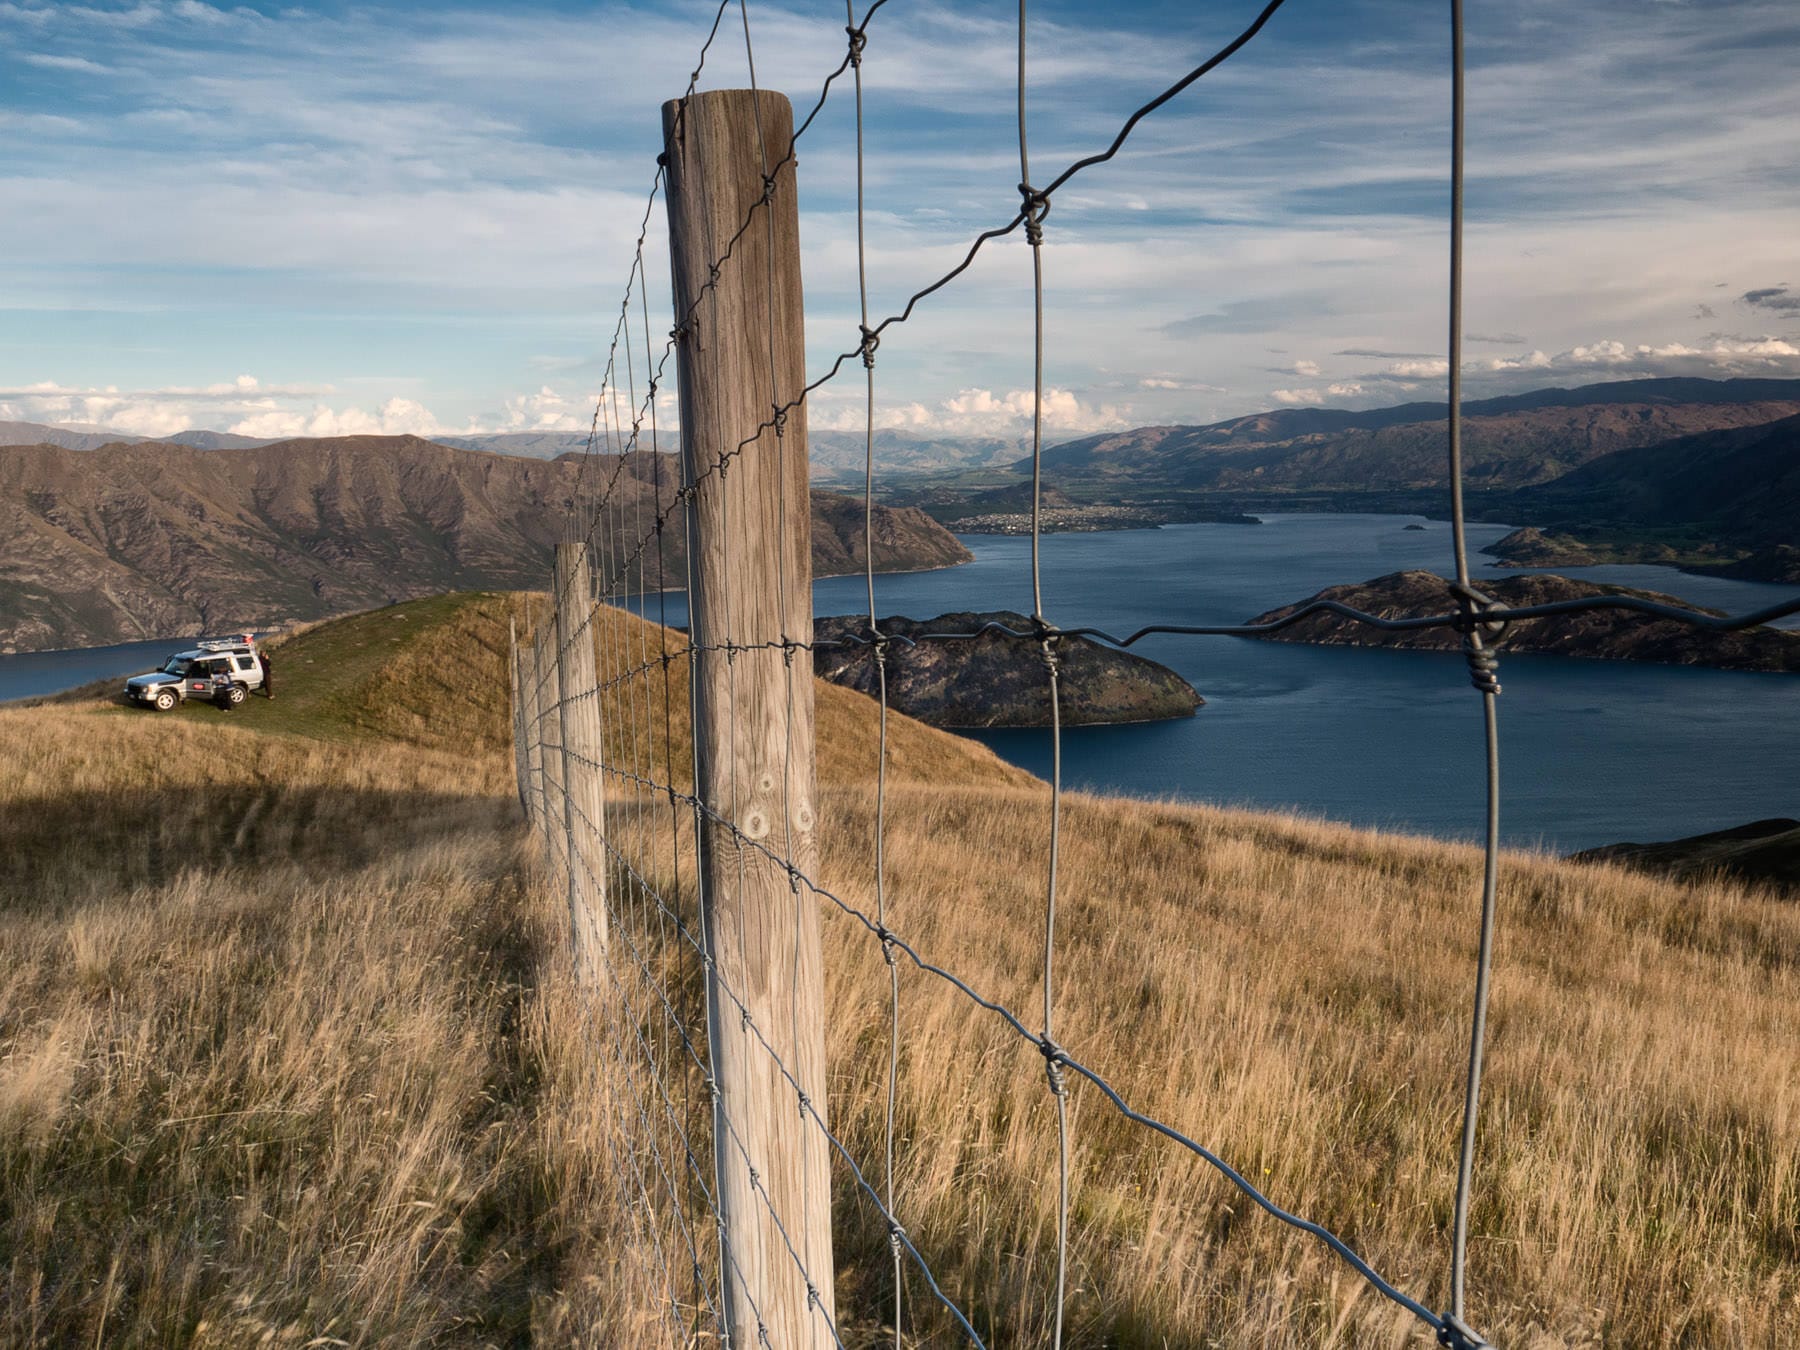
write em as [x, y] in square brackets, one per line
[1036, 207]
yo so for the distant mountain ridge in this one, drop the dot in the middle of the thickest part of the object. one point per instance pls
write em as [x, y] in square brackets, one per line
[128, 541]
[1509, 443]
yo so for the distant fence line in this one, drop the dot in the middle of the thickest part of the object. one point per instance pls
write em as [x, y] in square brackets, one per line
[691, 865]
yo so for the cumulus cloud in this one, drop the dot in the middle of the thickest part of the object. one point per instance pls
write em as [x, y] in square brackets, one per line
[974, 412]
[547, 410]
[1426, 369]
[244, 405]
[1722, 357]
[396, 417]
[151, 412]
[983, 410]
[1308, 369]
[1295, 397]
[1348, 389]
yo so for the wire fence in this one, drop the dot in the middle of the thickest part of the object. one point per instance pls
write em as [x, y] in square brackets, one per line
[622, 722]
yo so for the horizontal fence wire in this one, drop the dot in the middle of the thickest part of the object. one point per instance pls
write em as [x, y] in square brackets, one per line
[658, 998]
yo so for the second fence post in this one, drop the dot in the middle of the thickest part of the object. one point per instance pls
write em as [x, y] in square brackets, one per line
[550, 760]
[741, 362]
[584, 801]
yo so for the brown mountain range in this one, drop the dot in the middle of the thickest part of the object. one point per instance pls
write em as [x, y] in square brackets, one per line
[153, 540]
[1508, 443]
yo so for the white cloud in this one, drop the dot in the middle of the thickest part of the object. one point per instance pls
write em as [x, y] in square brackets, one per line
[1294, 397]
[1348, 389]
[981, 410]
[1721, 358]
[1418, 370]
[547, 410]
[396, 417]
[1307, 369]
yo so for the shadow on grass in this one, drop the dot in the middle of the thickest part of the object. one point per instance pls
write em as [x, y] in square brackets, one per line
[86, 844]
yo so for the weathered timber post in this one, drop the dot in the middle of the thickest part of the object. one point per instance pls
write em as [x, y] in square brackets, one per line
[584, 800]
[550, 739]
[532, 711]
[515, 680]
[741, 357]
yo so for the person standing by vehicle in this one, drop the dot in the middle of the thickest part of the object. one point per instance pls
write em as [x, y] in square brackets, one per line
[268, 673]
[222, 685]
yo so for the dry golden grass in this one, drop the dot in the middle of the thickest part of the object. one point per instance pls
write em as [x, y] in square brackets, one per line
[289, 1053]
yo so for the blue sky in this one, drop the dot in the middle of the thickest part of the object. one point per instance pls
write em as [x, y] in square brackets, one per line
[309, 219]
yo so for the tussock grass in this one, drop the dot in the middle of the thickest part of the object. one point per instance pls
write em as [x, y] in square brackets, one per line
[289, 1053]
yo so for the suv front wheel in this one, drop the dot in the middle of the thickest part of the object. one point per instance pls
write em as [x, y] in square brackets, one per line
[165, 699]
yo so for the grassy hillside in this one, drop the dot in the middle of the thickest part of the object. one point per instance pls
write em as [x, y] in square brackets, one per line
[288, 1056]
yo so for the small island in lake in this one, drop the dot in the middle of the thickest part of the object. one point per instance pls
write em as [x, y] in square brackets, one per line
[1605, 634]
[996, 680]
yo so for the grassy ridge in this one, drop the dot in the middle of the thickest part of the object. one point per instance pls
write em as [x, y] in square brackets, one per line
[288, 1055]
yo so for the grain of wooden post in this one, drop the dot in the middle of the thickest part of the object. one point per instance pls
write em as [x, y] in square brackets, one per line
[584, 802]
[741, 354]
[515, 679]
[550, 739]
[532, 686]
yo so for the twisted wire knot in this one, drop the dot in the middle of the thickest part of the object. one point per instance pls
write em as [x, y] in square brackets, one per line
[1476, 620]
[1049, 641]
[896, 1236]
[768, 186]
[778, 418]
[1036, 207]
[805, 1105]
[870, 341]
[858, 40]
[1053, 1062]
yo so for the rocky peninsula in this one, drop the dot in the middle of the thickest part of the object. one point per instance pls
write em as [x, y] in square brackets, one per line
[1764, 850]
[996, 680]
[1606, 635]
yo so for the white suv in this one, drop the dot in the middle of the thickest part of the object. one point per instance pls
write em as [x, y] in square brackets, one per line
[231, 662]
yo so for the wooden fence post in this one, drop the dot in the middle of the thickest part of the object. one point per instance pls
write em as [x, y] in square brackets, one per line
[532, 712]
[740, 357]
[550, 740]
[584, 800]
[515, 678]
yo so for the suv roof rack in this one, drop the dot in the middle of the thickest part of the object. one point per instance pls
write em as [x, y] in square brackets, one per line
[226, 644]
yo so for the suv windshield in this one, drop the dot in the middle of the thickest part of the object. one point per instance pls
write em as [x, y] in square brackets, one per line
[178, 665]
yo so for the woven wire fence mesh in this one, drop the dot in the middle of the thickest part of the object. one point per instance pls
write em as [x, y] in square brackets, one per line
[610, 772]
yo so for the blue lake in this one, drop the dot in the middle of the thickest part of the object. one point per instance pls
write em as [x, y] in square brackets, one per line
[33, 674]
[1592, 752]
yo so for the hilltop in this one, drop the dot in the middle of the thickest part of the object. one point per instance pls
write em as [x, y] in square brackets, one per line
[154, 540]
[288, 1051]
